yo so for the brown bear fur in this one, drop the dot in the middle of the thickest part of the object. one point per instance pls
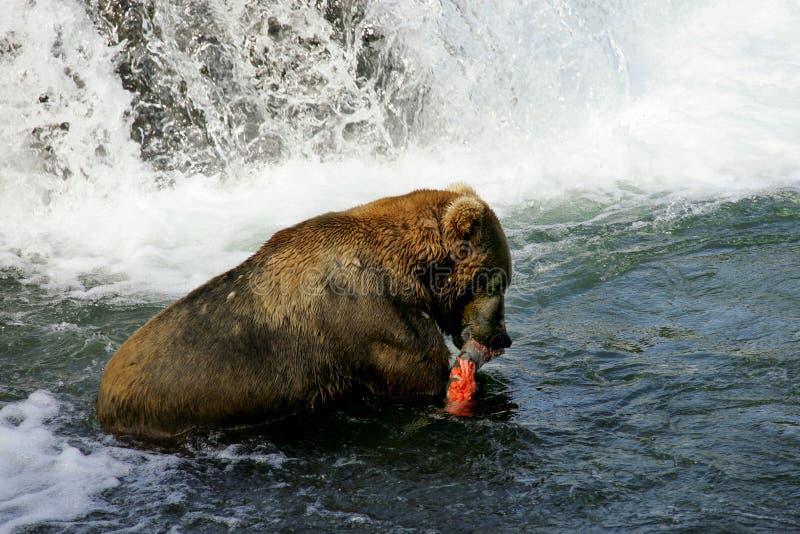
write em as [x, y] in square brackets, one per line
[346, 303]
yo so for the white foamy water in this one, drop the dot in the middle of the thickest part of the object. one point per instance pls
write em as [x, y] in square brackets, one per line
[42, 477]
[528, 100]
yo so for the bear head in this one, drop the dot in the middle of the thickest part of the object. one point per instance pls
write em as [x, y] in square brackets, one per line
[470, 283]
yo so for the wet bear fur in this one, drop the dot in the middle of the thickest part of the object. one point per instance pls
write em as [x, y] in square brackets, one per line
[344, 304]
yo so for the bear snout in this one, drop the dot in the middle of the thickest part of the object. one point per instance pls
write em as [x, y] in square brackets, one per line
[500, 341]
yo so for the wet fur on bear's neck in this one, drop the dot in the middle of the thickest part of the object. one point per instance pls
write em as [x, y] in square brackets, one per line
[346, 303]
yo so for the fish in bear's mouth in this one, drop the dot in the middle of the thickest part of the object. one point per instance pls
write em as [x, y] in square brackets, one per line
[476, 351]
[487, 353]
[462, 388]
[479, 353]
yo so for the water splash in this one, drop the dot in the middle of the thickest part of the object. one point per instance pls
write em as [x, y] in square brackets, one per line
[44, 477]
[220, 81]
[149, 146]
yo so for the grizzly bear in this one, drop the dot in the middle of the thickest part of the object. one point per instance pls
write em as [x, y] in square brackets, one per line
[345, 304]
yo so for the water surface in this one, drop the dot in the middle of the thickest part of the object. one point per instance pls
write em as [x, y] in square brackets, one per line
[642, 157]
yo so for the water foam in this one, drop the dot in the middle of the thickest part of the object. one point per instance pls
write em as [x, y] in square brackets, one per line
[44, 478]
[694, 97]
[527, 101]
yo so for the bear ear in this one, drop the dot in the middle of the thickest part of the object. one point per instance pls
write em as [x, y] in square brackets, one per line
[462, 215]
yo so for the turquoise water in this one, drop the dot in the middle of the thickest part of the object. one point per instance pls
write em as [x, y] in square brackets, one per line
[653, 383]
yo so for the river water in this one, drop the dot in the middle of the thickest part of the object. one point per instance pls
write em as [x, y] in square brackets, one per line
[642, 157]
